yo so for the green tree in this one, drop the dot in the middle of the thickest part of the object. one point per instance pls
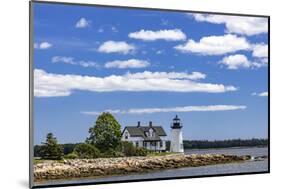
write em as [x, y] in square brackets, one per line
[51, 149]
[86, 151]
[106, 133]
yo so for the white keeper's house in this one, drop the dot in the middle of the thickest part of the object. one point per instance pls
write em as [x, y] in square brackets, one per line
[150, 137]
[154, 137]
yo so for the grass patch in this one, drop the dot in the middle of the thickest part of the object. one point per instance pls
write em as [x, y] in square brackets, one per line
[37, 161]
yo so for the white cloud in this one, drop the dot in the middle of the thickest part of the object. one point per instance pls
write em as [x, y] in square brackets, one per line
[262, 94]
[83, 23]
[165, 22]
[116, 47]
[215, 45]
[236, 61]
[43, 45]
[169, 75]
[236, 24]
[211, 108]
[70, 60]
[259, 64]
[114, 29]
[107, 28]
[131, 63]
[260, 51]
[168, 35]
[49, 84]
[159, 52]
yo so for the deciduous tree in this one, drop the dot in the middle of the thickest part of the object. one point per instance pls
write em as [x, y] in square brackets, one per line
[106, 133]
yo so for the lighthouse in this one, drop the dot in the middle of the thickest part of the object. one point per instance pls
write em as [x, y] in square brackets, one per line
[176, 136]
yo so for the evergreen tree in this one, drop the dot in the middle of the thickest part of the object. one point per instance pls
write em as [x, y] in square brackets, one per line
[51, 149]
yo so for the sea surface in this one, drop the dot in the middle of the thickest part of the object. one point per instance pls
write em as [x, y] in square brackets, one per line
[244, 167]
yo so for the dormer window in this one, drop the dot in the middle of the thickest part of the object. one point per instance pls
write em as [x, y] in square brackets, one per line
[126, 135]
[151, 133]
[147, 134]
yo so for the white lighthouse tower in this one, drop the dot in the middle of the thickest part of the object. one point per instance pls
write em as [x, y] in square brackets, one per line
[176, 136]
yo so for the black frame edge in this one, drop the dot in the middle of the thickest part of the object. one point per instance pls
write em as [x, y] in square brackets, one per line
[31, 91]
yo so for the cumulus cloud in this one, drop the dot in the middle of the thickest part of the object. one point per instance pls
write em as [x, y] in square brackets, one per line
[236, 24]
[261, 94]
[260, 51]
[43, 45]
[116, 47]
[50, 84]
[71, 60]
[215, 45]
[131, 63]
[168, 35]
[83, 23]
[237, 61]
[211, 108]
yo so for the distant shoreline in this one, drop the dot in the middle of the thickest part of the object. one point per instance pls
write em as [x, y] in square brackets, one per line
[234, 147]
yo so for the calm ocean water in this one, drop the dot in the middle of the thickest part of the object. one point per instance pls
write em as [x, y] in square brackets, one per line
[249, 166]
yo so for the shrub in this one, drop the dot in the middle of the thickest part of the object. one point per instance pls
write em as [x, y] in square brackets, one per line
[141, 152]
[86, 151]
[71, 156]
[128, 149]
[112, 153]
[119, 154]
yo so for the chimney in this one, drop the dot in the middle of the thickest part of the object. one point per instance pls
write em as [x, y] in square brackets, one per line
[150, 124]
[138, 124]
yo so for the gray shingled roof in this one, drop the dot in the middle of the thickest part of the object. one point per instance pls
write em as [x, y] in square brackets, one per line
[140, 132]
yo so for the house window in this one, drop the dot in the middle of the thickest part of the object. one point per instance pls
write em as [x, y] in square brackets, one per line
[161, 144]
[151, 132]
[126, 135]
[144, 144]
[137, 144]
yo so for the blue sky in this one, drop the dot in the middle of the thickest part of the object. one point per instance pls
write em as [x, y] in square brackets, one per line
[147, 65]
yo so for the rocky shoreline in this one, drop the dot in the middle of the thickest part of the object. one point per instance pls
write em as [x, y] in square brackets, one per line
[79, 168]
